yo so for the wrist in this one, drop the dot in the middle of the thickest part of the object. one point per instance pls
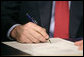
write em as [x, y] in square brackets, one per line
[13, 32]
[9, 31]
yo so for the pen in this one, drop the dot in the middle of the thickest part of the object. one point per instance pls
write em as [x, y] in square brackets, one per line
[31, 19]
[34, 21]
[49, 40]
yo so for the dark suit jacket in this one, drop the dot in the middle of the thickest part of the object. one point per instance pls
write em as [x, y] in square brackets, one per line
[14, 12]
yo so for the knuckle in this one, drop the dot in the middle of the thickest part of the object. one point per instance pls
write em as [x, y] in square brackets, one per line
[41, 29]
[28, 24]
[44, 29]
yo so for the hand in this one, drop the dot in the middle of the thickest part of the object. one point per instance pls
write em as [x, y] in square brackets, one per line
[29, 33]
[79, 44]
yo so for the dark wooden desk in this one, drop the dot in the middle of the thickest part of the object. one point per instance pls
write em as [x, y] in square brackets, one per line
[9, 51]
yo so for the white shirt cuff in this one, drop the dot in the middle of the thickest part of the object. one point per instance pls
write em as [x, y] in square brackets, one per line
[9, 31]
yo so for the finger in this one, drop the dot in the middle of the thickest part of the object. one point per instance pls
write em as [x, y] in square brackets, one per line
[24, 39]
[38, 29]
[81, 47]
[45, 35]
[42, 31]
[38, 36]
[79, 43]
[30, 36]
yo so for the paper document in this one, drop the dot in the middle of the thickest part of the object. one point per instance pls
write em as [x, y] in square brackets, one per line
[57, 47]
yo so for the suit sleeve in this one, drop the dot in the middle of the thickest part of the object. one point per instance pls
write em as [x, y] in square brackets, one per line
[9, 16]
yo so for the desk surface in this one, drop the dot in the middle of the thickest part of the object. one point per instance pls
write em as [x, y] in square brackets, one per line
[9, 51]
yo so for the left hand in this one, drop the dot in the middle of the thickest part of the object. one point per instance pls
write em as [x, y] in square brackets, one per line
[79, 44]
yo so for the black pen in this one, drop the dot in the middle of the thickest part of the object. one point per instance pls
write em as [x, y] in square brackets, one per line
[34, 21]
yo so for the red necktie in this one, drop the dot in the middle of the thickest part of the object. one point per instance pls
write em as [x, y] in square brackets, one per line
[61, 19]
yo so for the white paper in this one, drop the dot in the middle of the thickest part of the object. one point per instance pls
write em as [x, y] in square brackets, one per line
[57, 47]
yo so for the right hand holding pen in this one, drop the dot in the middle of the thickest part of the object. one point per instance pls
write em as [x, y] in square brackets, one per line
[29, 33]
